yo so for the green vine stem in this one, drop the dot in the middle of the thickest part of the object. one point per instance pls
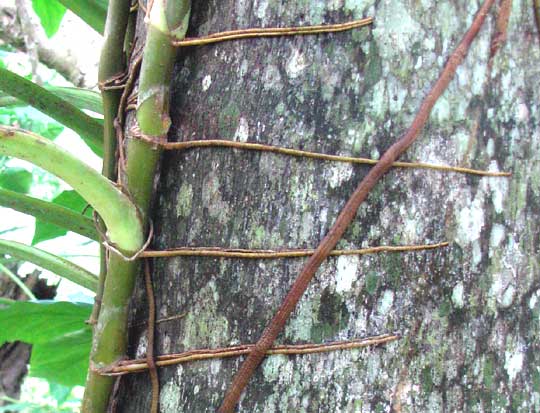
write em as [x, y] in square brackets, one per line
[52, 213]
[60, 266]
[57, 108]
[111, 65]
[117, 211]
[109, 342]
[110, 335]
[166, 18]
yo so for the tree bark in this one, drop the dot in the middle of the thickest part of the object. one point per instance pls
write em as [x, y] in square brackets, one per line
[468, 314]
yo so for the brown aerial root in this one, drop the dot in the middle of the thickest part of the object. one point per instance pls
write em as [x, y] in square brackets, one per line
[321, 156]
[140, 365]
[271, 32]
[150, 362]
[269, 254]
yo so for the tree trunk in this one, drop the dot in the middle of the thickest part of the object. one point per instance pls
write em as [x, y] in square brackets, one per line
[468, 314]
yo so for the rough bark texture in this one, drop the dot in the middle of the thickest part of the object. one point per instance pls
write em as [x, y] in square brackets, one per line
[468, 314]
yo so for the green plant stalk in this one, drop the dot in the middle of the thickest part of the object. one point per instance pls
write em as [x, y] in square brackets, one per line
[17, 281]
[109, 342]
[129, 38]
[59, 266]
[117, 211]
[111, 64]
[52, 213]
[142, 160]
[80, 98]
[49, 103]
[166, 18]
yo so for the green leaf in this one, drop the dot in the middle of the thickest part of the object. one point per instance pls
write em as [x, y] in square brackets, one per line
[50, 13]
[45, 230]
[59, 336]
[64, 359]
[90, 129]
[49, 212]
[16, 179]
[81, 98]
[60, 392]
[37, 322]
[93, 12]
[29, 118]
[58, 265]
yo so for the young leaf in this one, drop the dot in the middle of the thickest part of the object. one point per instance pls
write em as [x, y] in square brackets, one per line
[50, 13]
[90, 129]
[60, 339]
[45, 230]
[93, 12]
[16, 179]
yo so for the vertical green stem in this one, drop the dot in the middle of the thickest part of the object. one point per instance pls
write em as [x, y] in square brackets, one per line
[110, 335]
[110, 338]
[166, 17]
[111, 64]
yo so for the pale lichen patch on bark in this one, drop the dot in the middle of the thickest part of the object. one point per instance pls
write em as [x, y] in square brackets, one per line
[212, 198]
[209, 327]
[346, 269]
[169, 396]
[184, 199]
